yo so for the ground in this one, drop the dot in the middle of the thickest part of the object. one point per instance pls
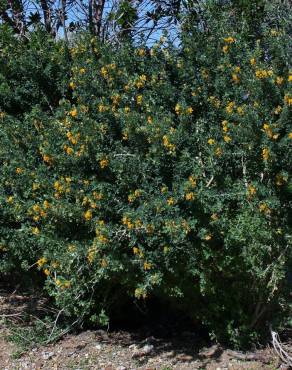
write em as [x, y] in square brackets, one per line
[117, 349]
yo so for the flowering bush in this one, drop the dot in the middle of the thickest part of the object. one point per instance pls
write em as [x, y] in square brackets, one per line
[151, 172]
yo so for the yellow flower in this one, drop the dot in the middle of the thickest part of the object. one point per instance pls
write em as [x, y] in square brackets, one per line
[35, 186]
[71, 248]
[290, 135]
[218, 151]
[240, 110]
[139, 99]
[47, 159]
[278, 109]
[127, 109]
[177, 109]
[208, 237]
[225, 49]
[163, 189]
[288, 100]
[229, 107]
[235, 78]
[227, 138]
[279, 80]
[192, 181]
[10, 199]
[73, 112]
[265, 154]
[268, 130]
[167, 144]
[68, 150]
[264, 209]
[214, 217]
[91, 254]
[88, 215]
[136, 250]
[280, 180]
[104, 72]
[290, 78]
[47, 272]
[252, 61]
[229, 40]
[147, 266]
[251, 190]
[149, 120]
[190, 110]
[35, 230]
[139, 292]
[58, 282]
[103, 163]
[211, 141]
[82, 70]
[66, 284]
[19, 170]
[190, 196]
[41, 261]
[72, 85]
[141, 52]
[102, 108]
[170, 201]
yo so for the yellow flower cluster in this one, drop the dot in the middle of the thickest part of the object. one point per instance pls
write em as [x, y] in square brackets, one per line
[214, 101]
[288, 99]
[190, 196]
[229, 40]
[47, 159]
[88, 215]
[133, 196]
[91, 253]
[139, 99]
[73, 113]
[265, 154]
[62, 186]
[73, 138]
[141, 81]
[38, 212]
[251, 191]
[140, 293]
[168, 145]
[264, 209]
[262, 73]
[269, 132]
[280, 179]
[137, 251]
[103, 163]
[229, 107]
[127, 221]
[100, 232]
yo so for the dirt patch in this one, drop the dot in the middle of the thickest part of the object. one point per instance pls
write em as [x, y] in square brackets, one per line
[121, 350]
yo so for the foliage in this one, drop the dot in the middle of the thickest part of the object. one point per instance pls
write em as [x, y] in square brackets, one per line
[152, 172]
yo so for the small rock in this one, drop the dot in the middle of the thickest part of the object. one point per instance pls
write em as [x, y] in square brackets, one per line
[144, 351]
[47, 355]
[98, 347]
[184, 357]
[121, 368]
[133, 346]
[168, 354]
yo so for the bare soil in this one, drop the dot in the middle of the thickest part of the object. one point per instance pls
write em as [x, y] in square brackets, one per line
[119, 349]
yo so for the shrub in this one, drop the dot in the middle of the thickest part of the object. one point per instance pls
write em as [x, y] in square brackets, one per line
[152, 171]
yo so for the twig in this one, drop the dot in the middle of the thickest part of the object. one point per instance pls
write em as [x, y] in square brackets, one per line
[280, 348]
[55, 323]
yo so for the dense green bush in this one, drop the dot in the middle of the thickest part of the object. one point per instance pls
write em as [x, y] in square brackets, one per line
[152, 171]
